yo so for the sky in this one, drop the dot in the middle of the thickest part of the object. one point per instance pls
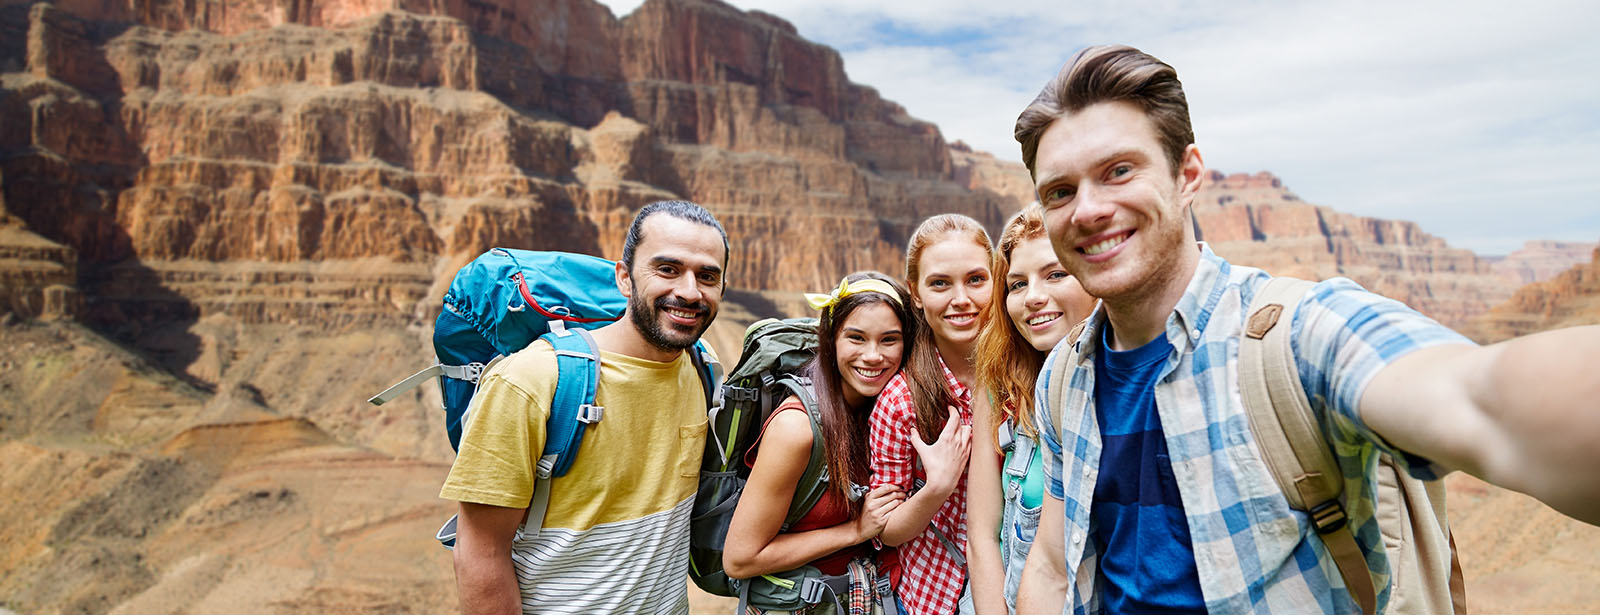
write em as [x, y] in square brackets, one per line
[1478, 120]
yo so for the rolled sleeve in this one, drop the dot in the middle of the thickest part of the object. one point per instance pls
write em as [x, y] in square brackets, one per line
[892, 456]
[495, 463]
[1343, 336]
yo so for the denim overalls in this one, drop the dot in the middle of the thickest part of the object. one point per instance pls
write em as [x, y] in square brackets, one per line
[1018, 522]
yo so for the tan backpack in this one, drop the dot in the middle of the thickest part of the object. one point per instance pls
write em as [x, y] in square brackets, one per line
[1425, 573]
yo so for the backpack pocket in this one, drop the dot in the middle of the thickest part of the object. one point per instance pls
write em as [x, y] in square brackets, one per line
[708, 529]
[785, 591]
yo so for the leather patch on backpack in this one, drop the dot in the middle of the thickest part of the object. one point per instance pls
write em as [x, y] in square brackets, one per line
[1263, 320]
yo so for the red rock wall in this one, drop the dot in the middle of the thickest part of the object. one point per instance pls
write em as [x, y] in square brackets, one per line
[424, 132]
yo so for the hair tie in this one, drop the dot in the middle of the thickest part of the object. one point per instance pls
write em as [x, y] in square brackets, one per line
[847, 288]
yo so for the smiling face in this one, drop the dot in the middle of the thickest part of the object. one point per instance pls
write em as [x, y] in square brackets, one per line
[953, 290]
[869, 347]
[676, 282]
[1114, 208]
[1042, 299]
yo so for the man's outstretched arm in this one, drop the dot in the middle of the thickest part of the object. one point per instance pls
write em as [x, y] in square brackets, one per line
[485, 578]
[1523, 414]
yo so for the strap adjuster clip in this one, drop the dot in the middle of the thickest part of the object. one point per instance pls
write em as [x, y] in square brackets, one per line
[590, 414]
[1328, 517]
[811, 590]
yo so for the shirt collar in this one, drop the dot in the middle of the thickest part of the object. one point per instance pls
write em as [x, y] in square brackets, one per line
[960, 391]
[1188, 319]
[1199, 301]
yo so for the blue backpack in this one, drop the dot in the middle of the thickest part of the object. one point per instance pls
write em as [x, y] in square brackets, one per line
[500, 303]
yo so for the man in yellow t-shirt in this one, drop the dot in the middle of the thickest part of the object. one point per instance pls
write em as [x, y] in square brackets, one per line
[615, 536]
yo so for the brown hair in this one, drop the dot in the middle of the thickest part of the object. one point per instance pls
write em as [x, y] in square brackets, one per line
[1107, 73]
[1007, 365]
[844, 428]
[930, 394]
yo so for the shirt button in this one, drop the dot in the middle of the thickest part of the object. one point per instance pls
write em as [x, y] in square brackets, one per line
[1077, 537]
[1086, 471]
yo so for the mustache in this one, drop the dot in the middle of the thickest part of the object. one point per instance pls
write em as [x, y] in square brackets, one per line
[671, 302]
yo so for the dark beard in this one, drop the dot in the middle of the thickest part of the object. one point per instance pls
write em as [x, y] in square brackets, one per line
[647, 319]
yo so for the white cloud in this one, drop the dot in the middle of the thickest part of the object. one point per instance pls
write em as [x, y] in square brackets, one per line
[1479, 120]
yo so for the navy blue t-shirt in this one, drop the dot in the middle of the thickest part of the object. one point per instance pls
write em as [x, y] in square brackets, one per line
[1138, 525]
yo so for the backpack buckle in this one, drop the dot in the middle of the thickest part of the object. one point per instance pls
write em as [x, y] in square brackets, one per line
[858, 491]
[1328, 517]
[737, 393]
[811, 590]
[471, 372]
[590, 414]
[884, 590]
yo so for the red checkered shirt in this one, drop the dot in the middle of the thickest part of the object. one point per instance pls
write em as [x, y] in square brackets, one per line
[928, 580]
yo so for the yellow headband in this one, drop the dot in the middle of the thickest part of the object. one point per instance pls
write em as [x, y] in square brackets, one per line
[847, 288]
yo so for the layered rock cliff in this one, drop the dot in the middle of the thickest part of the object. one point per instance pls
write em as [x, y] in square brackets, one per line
[421, 134]
[261, 203]
[1255, 220]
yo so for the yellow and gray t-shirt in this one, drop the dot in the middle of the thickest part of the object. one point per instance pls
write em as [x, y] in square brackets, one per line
[615, 537]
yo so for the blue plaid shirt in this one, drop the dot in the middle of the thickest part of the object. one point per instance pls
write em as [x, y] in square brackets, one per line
[1254, 553]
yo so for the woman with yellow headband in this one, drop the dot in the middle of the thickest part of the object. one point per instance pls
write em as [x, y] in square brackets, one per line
[865, 328]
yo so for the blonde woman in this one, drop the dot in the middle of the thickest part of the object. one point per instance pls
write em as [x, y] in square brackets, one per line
[947, 271]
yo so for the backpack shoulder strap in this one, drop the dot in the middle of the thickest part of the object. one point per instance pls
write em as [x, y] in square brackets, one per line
[710, 371]
[571, 408]
[1061, 375]
[814, 480]
[1286, 431]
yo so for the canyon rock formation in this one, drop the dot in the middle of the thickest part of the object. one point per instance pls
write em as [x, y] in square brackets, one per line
[224, 225]
[1255, 220]
[1568, 299]
[1540, 260]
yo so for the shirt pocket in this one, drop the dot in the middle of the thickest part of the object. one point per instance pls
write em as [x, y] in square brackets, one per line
[691, 447]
